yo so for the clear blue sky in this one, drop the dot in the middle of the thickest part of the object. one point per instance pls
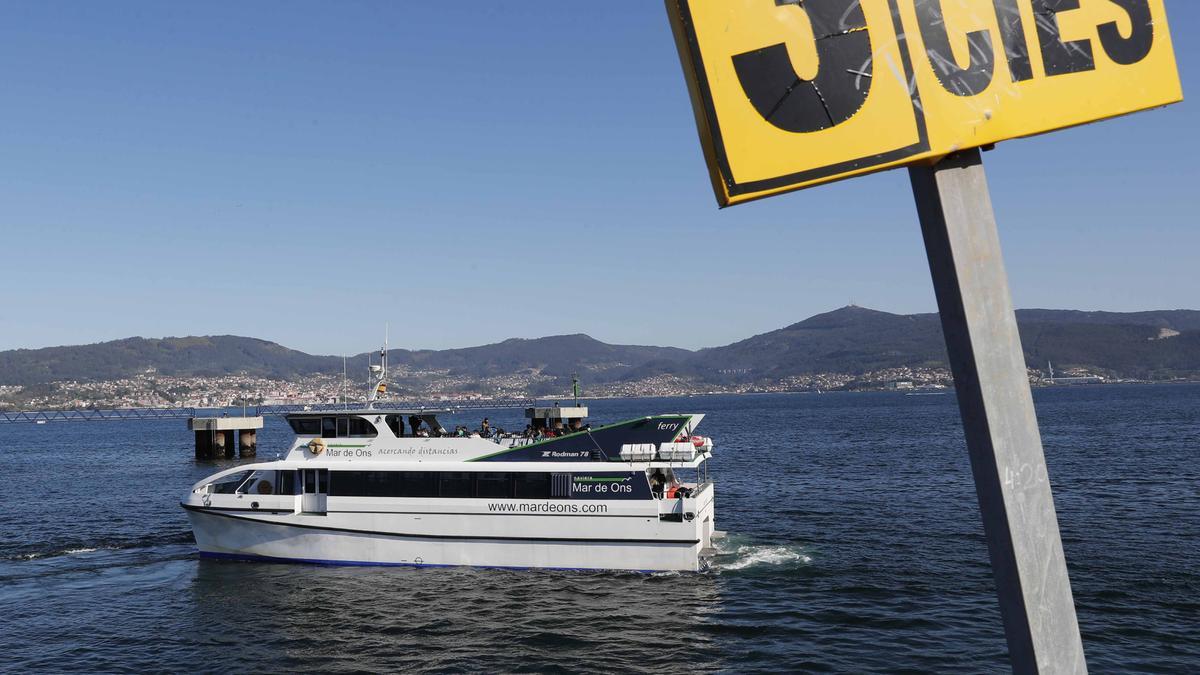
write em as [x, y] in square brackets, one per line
[303, 172]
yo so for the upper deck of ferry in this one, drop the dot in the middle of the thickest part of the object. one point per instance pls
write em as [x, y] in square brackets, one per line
[553, 434]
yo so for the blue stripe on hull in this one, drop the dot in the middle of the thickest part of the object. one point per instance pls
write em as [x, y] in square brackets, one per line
[247, 557]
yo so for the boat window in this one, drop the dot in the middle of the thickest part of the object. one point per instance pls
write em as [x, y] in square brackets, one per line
[228, 485]
[343, 427]
[457, 484]
[454, 484]
[310, 482]
[348, 484]
[259, 483]
[328, 427]
[383, 484]
[531, 485]
[322, 481]
[359, 484]
[493, 485]
[418, 484]
[285, 483]
[305, 426]
[433, 425]
[362, 427]
[395, 424]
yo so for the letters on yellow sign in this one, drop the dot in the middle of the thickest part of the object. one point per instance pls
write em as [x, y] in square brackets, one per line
[794, 93]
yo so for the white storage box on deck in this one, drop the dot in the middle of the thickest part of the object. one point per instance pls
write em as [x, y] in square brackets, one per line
[684, 452]
[637, 452]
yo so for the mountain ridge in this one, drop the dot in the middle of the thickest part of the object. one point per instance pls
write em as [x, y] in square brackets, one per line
[1157, 344]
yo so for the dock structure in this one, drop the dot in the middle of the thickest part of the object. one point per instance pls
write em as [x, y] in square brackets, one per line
[215, 436]
[218, 432]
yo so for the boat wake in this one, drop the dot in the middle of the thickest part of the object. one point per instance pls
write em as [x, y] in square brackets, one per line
[92, 547]
[738, 553]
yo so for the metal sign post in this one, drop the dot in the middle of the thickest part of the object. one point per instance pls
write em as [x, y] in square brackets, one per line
[1001, 428]
[789, 94]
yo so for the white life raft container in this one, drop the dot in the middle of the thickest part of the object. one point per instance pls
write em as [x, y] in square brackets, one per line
[637, 452]
[682, 452]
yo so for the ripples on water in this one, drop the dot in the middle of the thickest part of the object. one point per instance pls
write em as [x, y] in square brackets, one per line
[854, 545]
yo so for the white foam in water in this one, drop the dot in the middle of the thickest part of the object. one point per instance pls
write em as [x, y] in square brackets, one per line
[73, 551]
[51, 554]
[750, 555]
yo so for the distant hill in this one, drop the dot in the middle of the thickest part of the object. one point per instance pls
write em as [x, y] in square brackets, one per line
[1128, 350]
[850, 340]
[227, 354]
[1177, 319]
[558, 355]
[856, 340]
[203, 356]
[847, 340]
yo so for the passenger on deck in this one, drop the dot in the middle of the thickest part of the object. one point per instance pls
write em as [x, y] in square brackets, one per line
[485, 430]
[414, 423]
[657, 481]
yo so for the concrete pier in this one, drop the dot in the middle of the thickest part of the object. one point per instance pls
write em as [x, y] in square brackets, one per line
[247, 442]
[215, 436]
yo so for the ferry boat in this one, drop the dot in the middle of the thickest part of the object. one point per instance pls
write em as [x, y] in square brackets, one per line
[393, 487]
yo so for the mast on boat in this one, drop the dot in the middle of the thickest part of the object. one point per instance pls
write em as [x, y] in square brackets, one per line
[379, 373]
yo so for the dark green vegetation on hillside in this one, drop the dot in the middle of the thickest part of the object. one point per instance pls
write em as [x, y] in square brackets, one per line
[856, 340]
[199, 356]
[1151, 345]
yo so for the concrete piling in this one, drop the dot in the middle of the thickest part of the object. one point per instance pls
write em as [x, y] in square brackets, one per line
[203, 445]
[247, 442]
[222, 437]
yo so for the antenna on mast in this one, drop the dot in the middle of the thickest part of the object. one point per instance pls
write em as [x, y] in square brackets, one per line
[575, 387]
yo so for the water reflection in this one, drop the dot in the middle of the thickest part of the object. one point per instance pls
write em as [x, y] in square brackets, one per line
[356, 618]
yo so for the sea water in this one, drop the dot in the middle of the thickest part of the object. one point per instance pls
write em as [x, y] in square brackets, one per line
[854, 544]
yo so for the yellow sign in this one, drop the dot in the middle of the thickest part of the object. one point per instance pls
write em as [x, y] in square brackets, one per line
[794, 93]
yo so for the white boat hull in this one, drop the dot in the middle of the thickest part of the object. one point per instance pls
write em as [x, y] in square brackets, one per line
[535, 542]
[260, 540]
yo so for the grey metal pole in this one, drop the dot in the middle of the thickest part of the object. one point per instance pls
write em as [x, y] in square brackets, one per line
[1001, 429]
